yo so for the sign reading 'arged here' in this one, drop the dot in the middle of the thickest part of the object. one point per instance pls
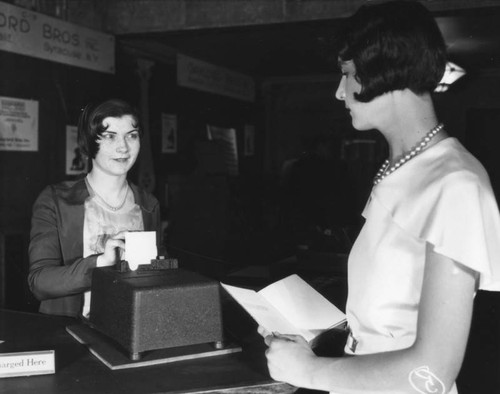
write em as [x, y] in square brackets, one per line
[29, 33]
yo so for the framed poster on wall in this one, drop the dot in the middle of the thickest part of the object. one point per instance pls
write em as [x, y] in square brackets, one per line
[168, 133]
[18, 124]
[226, 139]
[76, 163]
[249, 141]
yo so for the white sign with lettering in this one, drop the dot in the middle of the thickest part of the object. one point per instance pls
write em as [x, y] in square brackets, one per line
[29, 33]
[27, 363]
[18, 124]
[200, 75]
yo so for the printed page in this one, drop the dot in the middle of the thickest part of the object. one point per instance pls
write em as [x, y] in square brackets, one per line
[263, 312]
[303, 306]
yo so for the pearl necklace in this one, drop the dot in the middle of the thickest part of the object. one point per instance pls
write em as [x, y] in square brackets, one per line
[109, 206]
[417, 149]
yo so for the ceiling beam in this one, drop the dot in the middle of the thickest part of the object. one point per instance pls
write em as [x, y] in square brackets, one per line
[147, 16]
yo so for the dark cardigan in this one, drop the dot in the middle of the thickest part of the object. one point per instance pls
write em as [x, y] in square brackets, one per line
[58, 274]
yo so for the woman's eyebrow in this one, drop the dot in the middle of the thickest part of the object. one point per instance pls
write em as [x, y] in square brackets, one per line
[114, 132]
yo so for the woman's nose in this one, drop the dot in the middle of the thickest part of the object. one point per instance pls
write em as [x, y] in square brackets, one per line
[340, 93]
[122, 145]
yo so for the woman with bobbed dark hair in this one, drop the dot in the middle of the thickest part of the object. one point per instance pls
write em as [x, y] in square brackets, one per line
[79, 225]
[393, 53]
[431, 237]
[91, 127]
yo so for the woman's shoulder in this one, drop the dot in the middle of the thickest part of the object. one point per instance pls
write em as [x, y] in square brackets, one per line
[144, 198]
[73, 191]
[445, 175]
[456, 166]
[68, 185]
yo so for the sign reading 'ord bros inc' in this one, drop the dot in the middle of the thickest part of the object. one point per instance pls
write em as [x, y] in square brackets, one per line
[29, 33]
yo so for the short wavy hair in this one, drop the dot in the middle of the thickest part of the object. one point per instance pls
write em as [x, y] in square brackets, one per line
[90, 127]
[394, 46]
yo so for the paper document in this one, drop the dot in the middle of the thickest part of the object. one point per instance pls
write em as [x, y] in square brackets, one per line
[140, 248]
[289, 306]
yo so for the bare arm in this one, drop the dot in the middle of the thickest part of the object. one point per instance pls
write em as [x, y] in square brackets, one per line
[445, 314]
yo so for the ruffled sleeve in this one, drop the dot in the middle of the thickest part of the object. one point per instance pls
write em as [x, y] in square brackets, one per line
[445, 198]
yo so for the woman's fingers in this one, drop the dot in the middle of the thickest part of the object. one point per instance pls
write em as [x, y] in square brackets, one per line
[113, 250]
[263, 332]
[115, 243]
[120, 235]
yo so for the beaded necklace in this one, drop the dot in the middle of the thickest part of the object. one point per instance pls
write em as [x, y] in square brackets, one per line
[417, 149]
[109, 206]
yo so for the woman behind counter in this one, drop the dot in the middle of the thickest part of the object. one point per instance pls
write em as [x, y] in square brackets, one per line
[79, 225]
[432, 232]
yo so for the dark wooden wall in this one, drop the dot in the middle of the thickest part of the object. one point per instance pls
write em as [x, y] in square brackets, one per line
[60, 91]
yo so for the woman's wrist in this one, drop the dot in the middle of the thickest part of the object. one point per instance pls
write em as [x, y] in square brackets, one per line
[311, 368]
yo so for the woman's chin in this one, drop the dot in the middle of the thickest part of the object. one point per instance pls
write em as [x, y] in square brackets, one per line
[360, 126]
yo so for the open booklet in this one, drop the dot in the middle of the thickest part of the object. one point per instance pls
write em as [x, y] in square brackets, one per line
[289, 306]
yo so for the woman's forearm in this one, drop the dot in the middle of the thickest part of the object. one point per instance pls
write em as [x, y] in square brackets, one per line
[389, 372]
[48, 280]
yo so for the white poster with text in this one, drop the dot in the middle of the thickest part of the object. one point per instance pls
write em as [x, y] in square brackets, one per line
[18, 124]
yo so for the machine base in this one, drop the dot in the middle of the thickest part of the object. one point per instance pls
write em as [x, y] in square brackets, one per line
[114, 358]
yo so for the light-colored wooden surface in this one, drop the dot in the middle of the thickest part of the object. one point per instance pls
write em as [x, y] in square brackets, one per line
[272, 388]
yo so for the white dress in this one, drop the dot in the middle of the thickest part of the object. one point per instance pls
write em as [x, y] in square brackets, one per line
[443, 197]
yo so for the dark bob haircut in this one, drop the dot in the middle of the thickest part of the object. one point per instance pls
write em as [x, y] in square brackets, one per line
[90, 127]
[394, 46]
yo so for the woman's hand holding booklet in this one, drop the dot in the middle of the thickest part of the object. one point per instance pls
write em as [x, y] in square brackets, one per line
[289, 306]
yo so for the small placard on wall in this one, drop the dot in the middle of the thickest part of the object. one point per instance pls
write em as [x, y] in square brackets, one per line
[249, 141]
[76, 163]
[18, 124]
[169, 133]
[226, 138]
[27, 363]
